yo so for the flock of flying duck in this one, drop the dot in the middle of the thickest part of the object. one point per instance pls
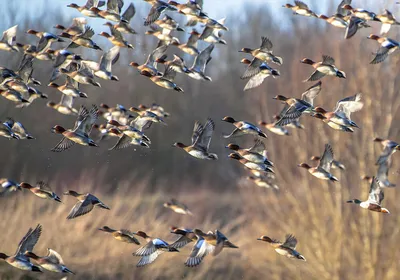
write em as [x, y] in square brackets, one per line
[128, 125]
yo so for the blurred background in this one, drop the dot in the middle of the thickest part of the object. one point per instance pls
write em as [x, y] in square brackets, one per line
[339, 240]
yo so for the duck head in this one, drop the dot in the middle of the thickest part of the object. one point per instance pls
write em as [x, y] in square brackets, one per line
[180, 145]
[235, 156]
[72, 193]
[232, 147]
[58, 129]
[228, 119]
[106, 229]
[304, 165]
[280, 97]
[25, 185]
[356, 201]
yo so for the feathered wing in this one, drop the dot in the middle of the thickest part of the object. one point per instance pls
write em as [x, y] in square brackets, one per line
[255, 81]
[252, 69]
[327, 158]
[326, 59]
[200, 249]
[63, 145]
[107, 58]
[315, 76]
[290, 241]
[348, 105]
[145, 260]
[375, 192]
[385, 155]
[201, 60]
[197, 129]
[258, 147]
[29, 241]
[311, 93]
[266, 44]
[381, 54]
[204, 139]
[122, 143]
[181, 242]
[81, 208]
[54, 257]
[146, 250]
[289, 116]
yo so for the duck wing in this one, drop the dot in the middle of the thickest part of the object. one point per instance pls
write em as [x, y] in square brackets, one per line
[315, 76]
[200, 249]
[54, 257]
[258, 147]
[204, 138]
[342, 11]
[381, 54]
[86, 124]
[290, 241]
[145, 260]
[181, 242]
[252, 69]
[67, 100]
[9, 35]
[327, 158]
[129, 12]
[352, 27]
[154, 14]
[202, 58]
[122, 143]
[291, 114]
[107, 58]
[311, 93]
[63, 145]
[197, 129]
[255, 81]
[348, 105]
[383, 172]
[385, 155]
[169, 74]
[156, 54]
[301, 5]
[146, 250]
[81, 208]
[326, 59]
[375, 192]
[266, 44]
[88, 33]
[29, 241]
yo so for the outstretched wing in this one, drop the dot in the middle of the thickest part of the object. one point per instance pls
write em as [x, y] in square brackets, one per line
[327, 158]
[29, 240]
[290, 241]
[204, 138]
[375, 192]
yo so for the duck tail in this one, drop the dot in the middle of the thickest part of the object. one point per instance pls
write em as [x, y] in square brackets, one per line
[301, 257]
[333, 179]
[66, 270]
[262, 134]
[179, 89]
[36, 268]
[277, 59]
[102, 205]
